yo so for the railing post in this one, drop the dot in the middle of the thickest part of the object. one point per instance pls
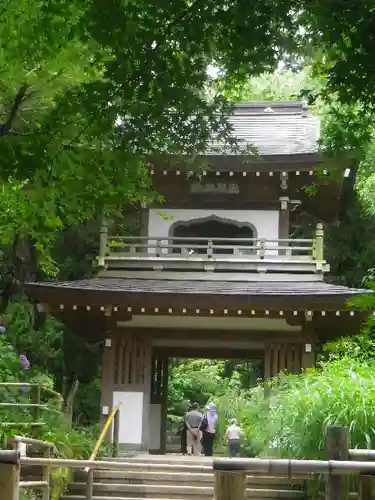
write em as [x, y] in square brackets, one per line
[36, 397]
[9, 475]
[210, 250]
[47, 475]
[103, 246]
[116, 434]
[262, 248]
[366, 489]
[337, 446]
[230, 481]
[158, 249]
[366, 482]
[319, 242]
[89, 484]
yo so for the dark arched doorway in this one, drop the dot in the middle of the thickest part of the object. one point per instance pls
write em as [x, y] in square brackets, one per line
[212, 228]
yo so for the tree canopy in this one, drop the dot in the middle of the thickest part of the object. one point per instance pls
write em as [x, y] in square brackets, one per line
[90, 88]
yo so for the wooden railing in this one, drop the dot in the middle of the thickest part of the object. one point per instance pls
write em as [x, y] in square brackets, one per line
[34, 404]
[230, 474]
[44, 483]
[115, 418]
[146, 252]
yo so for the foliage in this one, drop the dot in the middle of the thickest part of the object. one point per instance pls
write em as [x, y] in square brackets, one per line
[338, 35]
[292, 423]
[57, 356]
[193, 380]
[90, 90]
[281, 85]
[202, 380]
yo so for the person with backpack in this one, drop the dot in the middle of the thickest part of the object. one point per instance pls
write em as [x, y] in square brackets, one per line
[208, 427]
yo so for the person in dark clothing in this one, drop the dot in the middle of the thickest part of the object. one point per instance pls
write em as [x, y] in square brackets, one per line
[183, 431]
[208, 427]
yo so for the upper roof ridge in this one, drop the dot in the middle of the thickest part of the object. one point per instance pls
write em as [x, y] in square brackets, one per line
[271, 108]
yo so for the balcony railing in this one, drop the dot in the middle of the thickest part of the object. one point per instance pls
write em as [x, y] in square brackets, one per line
[212, 254]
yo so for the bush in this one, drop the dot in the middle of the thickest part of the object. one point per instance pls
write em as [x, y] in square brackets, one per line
[292, 423]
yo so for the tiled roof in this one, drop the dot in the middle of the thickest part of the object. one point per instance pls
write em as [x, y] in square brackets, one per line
[204, 287]
[280, 128]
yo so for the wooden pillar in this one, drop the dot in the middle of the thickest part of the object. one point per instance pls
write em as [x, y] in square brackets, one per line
[146, 387]
[308, 354]
[308, 347]
[159, 400]
[230, 480]
[9, 475]
[164, 407]
[107, 382]
[230, 485]
[337, 446]
[131, 387]
[284, 218]
[284, 223]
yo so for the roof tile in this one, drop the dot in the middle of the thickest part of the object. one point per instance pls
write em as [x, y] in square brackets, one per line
[186, 287]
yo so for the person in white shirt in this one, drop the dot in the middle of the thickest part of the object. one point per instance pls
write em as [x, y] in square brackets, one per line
[233, 436]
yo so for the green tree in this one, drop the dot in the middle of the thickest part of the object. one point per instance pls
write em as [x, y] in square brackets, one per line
[73, 70]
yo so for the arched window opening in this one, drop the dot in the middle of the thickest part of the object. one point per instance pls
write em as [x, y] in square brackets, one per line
[212, 228]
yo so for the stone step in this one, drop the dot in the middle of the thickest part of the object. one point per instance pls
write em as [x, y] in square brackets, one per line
[167, 477]
[163, 459]
[172, 491]
[172, 466]
[251, 494]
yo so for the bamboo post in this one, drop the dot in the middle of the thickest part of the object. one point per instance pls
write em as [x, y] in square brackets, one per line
[36, 398]
[47, 475]
[89, 484]
[366, 487]
[366, 482]
[319, 243]
[230, 481]
[337, 446]
[9, 475]
[116, 434]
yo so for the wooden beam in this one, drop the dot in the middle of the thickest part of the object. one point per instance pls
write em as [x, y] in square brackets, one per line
[209, 353]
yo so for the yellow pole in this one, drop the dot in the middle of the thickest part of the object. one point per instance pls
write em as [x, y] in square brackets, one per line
[103, 433]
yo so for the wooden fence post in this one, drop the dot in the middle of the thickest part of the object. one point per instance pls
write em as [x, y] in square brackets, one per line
[366, 489]
[36, 398]
[9, 475]
[47, 476]
[89, 484]
[230, 481]
[337, 446]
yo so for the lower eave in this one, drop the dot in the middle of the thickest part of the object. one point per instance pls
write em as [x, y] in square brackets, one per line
[195, 294]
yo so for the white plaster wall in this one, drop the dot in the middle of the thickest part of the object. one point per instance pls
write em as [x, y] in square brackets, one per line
[266, 222]
[131, 416]
[154, 425]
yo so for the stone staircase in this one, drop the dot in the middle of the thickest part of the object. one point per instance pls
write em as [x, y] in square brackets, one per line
[177, 477]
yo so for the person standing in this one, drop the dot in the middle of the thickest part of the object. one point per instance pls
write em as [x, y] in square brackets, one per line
[193, 435]
[182, 432]
[233, 436]
[208, 427]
